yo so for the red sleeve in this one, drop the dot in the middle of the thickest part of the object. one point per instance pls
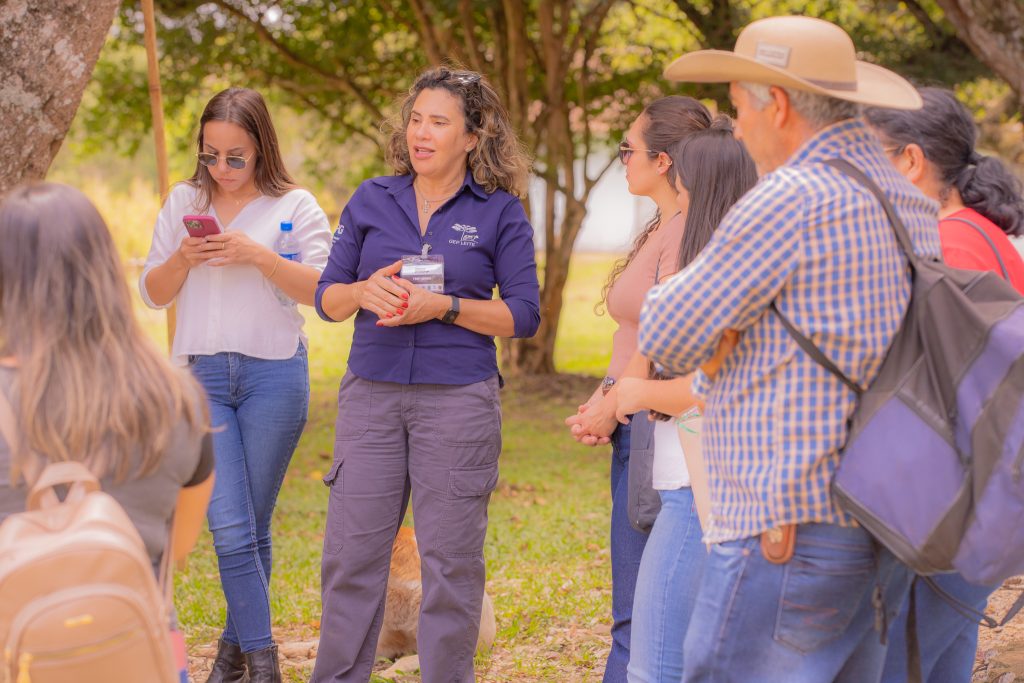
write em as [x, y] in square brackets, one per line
[966, 259]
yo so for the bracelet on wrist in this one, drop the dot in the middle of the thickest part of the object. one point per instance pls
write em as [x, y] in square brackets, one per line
[277, 262]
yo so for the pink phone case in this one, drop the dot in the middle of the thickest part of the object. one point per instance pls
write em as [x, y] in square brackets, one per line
[201, 226]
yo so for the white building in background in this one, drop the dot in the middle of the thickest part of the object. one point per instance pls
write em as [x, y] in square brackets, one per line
[613, 215]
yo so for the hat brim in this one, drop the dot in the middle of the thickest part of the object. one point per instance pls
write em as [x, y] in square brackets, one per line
[875, 86]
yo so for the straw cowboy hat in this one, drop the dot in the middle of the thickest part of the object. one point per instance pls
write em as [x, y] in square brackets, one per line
[800, 53]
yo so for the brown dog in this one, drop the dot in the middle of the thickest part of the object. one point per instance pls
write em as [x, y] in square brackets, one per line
[402, 608]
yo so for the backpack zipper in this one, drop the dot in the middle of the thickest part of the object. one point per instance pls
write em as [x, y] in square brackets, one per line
[27, 659]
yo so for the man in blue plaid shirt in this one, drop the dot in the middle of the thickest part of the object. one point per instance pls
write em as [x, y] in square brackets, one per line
[794, 589]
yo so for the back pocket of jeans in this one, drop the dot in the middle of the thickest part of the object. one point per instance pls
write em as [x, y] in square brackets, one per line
[819, 600]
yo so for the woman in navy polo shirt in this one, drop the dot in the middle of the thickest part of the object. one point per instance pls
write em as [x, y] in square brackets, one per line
[418, 410]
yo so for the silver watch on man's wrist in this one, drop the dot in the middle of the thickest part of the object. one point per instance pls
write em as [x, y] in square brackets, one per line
[606, 385]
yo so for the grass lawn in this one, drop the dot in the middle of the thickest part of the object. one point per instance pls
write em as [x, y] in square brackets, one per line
[547, 550]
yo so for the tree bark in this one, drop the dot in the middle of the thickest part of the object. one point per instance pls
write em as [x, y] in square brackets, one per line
[994, 30]
[50, 49]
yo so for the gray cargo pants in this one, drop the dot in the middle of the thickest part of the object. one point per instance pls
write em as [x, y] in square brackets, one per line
[441, 444]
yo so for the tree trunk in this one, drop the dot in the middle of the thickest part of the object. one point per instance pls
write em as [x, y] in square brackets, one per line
[994, 30]
[536, 356]
[49, 50]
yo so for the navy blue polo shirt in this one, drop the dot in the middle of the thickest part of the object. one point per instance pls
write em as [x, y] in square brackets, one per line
[486, 241]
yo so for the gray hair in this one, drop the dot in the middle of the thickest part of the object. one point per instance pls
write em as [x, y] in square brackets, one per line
[818, 110]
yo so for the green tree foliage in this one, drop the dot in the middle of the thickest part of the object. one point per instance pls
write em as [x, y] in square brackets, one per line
[573, 75]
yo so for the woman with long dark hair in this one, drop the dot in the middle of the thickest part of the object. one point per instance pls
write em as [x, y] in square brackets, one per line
[240, 332]
[711, 171]
[654, 254]
[980, 204]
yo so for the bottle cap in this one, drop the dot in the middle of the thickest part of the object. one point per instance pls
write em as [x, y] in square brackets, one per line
[286, 226]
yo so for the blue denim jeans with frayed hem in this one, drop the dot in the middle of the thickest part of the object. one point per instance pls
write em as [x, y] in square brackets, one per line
[257, 409]
[810, 620]
[666, 590]
[627, 547]
[948, 641]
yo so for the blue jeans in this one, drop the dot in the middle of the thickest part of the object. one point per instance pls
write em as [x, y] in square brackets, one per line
[627, 546]
[666, 590]
[257, 409]
[948, 641]
[810, 620]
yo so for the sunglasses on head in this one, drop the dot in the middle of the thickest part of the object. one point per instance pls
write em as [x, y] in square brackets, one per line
[235, 162]
[465, 78]
[625, 151]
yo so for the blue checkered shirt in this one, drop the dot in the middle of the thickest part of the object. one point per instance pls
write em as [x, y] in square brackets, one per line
[819, 245]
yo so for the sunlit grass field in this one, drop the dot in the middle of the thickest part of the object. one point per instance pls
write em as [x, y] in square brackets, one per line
[547, 555]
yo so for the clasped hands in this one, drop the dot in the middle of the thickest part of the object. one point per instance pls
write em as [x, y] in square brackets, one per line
[396, 301]
[595, 420]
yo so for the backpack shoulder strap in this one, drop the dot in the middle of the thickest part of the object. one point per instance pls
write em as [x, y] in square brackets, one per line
[902, 236]
[991, 244]
[969, 612]
[814, 352]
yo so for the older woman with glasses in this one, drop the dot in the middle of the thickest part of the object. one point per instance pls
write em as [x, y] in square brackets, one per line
[655, 255]
[240, 331]
[416, 259]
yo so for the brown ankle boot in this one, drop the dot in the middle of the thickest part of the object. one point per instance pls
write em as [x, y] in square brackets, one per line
[263, 666]
[229, 667]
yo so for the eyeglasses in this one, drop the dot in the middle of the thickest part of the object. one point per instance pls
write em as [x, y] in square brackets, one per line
[625, 152]
[894, 151]
[235, 162]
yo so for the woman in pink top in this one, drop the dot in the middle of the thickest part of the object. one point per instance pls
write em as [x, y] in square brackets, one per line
[654, 255]
[980, 204]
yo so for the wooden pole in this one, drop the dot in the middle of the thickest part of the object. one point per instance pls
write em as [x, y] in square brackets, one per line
[156, 106]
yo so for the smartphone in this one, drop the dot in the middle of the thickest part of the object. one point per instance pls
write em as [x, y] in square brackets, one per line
[201, 226]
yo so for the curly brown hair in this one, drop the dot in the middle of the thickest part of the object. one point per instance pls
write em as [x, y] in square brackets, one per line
[498, 161]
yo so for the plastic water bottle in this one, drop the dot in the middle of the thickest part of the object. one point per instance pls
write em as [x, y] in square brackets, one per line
[287, 246]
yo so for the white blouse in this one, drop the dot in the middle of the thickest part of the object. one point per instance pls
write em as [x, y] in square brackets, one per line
[235, 308]
[670, 472]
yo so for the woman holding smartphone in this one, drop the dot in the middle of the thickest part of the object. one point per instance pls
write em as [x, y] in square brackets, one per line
[240, 331]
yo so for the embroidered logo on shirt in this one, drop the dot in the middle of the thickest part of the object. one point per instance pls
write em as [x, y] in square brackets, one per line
[469, 235]
[337, 234]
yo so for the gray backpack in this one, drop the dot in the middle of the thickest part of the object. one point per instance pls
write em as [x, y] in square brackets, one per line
[932, 464]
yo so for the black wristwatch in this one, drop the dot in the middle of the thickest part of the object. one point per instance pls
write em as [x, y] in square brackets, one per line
[453, 312]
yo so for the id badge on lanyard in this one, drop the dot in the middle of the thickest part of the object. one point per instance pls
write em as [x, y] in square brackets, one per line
[424, 271]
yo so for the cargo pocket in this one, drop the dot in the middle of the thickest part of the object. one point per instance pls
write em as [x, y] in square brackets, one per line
[463, 525]
[819, 600]
[354, 397]
[333, 529]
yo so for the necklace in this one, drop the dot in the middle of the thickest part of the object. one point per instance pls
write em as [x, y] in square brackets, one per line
[428, 202]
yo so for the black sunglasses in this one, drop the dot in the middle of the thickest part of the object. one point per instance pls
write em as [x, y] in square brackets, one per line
[625, 152]
[235, 162]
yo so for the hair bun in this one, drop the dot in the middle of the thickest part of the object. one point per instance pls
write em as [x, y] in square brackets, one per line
[721, 122]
